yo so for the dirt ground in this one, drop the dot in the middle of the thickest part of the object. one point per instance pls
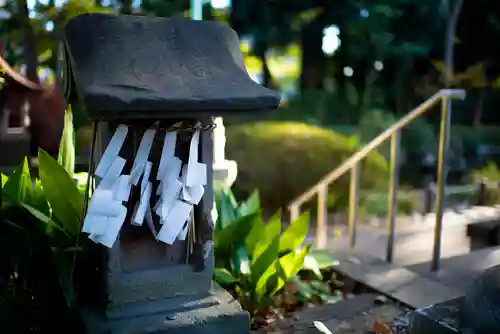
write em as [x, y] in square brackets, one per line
[352, 316]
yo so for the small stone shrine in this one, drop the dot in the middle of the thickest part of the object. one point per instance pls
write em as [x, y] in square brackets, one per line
[152, 87]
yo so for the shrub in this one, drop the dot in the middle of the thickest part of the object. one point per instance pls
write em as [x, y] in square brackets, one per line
[489, 174]
[256, 259]
[283, 159]
[373, 123]
[376, 204]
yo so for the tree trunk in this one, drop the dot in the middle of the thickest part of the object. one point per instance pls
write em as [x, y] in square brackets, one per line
[30, 55]
[478, 112]
[449, 51]
[367, 97]
[126, 7]
[313, 59]
[267, 77]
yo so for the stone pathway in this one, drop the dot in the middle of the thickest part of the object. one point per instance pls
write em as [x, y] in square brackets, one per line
[409, 278]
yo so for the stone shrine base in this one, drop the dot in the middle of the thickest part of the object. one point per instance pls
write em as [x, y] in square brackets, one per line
[217, 313]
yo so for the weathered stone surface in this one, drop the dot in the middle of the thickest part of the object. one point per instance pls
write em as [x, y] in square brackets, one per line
[151, 67]
[217, 313]
[399, 283]
[442, 318]
[481, 307]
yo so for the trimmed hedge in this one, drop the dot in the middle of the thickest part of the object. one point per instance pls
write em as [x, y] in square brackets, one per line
[283, 159]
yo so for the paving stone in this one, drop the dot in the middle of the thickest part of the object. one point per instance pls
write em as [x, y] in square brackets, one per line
[421, 292]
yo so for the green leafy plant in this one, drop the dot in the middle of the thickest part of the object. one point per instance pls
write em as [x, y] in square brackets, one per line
[39, 225]
[256, 259]
[491, 175]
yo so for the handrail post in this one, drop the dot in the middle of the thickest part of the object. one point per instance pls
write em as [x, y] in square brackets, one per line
[392, 209]
[353, 203]
[442, 172]
[294, 213]
[321, 224]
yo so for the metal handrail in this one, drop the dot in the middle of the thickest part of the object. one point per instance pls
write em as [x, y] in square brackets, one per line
[352, 164]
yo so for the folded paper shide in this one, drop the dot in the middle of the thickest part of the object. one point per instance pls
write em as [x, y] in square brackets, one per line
[179, 188]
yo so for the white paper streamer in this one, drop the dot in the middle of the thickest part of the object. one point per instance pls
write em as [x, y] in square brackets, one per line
[196, 173]
[176, 218]
[142, 155]
[112, 151]
[140, 213]
[167, 153]
[177, 193]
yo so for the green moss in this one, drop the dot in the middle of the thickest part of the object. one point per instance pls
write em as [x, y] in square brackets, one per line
[283, 159]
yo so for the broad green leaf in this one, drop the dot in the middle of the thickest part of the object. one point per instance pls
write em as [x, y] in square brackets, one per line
[3, 179]
[271, 230]
[262, 285]
[224, 277]
[18, 187]
[66, 157]
[323, 259]
[39, 200]
[45, 219]
[320, 286]
[288, 266]
[251, 205]
[291, 263]
[311, 264]
[304, 288]
[255, 235]
[293, 237]
[61, 191]
[232, 236]
[240, 262]
[265, 260]
[226, 210]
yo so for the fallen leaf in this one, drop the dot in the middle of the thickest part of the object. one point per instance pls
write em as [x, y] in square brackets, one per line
[381, 328]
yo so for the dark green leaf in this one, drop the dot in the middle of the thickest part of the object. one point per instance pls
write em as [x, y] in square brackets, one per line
[263, 267]
[66, 157]
[224, 277]
[61, 192]
[320, 286]
[232, 236]
[323, 259]
[240, 262]
[255, 234]
[252, 205]
[44, 219]
[18, 187]
[271, 230]
[39, 200]
[288, 266]
[293, 237]
[226, 209]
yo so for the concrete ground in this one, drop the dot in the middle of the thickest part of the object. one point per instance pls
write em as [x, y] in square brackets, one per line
[409, 277]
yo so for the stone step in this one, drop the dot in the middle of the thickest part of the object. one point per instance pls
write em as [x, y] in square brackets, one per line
[217, 313]
[396, 282]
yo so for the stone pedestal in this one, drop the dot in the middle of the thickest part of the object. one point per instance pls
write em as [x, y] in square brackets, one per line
[214, 313]
[475, 313]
